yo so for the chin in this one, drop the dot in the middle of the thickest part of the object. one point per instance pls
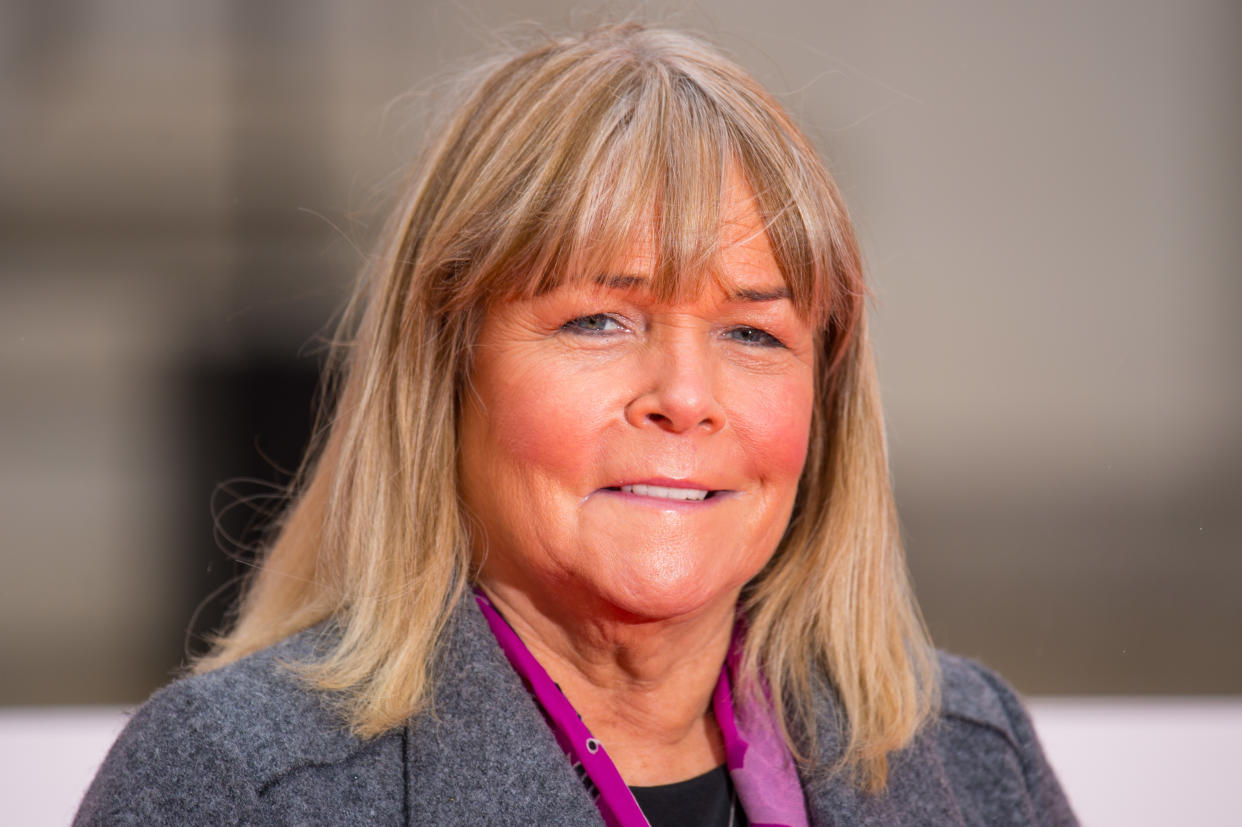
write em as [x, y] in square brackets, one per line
[652, 596]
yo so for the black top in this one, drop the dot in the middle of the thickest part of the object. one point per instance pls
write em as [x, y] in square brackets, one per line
[706, 800]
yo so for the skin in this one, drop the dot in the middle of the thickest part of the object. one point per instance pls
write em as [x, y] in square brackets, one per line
[628, 600]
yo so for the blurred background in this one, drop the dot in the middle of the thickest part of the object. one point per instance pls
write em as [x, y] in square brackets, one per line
[1050, 199]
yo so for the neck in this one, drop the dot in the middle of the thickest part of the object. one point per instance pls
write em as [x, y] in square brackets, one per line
[644, 688]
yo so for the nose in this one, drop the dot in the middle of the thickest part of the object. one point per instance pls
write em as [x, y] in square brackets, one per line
[677, 388]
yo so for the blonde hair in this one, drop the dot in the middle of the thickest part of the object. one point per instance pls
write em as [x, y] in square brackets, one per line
[543, 172]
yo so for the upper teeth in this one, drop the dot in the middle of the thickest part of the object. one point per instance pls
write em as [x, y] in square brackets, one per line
[667, 493]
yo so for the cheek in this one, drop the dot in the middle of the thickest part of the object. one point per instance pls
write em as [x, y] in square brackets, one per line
[777, 432]
[545, 422]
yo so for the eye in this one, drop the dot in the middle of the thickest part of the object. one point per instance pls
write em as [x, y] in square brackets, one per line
[753, 336]
[594, 324]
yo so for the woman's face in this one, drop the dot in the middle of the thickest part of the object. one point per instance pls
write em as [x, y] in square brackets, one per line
[636, 458]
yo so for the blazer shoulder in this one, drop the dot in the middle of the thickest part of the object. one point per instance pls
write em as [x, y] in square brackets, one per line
[261, 706]
[977, 705]
[210, 744]
[971, 692]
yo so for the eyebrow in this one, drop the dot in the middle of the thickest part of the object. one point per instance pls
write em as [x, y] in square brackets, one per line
[620, 281]
[775, 294]
[628, 281]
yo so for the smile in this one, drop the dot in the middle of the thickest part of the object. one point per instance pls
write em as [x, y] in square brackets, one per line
[666, 493]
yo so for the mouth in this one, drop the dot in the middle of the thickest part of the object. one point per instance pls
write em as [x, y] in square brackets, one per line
[664, 492]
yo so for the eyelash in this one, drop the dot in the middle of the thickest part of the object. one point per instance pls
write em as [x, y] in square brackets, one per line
[765, 339]
[762, 338]
[578, 325]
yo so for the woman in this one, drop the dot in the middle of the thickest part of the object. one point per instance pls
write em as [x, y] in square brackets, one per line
[601, 524]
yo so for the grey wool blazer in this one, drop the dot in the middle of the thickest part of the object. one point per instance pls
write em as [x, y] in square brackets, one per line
[247, 744]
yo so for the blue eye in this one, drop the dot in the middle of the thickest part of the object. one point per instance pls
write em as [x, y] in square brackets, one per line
[594, 324]
[753, 336]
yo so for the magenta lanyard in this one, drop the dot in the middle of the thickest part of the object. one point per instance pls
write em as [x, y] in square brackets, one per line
[759, 763]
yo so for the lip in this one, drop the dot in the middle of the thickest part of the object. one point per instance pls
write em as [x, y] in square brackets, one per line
[665, 482]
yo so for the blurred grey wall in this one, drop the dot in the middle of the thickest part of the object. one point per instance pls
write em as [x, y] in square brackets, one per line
[1049, 194]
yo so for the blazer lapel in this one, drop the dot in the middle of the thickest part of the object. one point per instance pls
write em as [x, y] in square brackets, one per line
[484, 754]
